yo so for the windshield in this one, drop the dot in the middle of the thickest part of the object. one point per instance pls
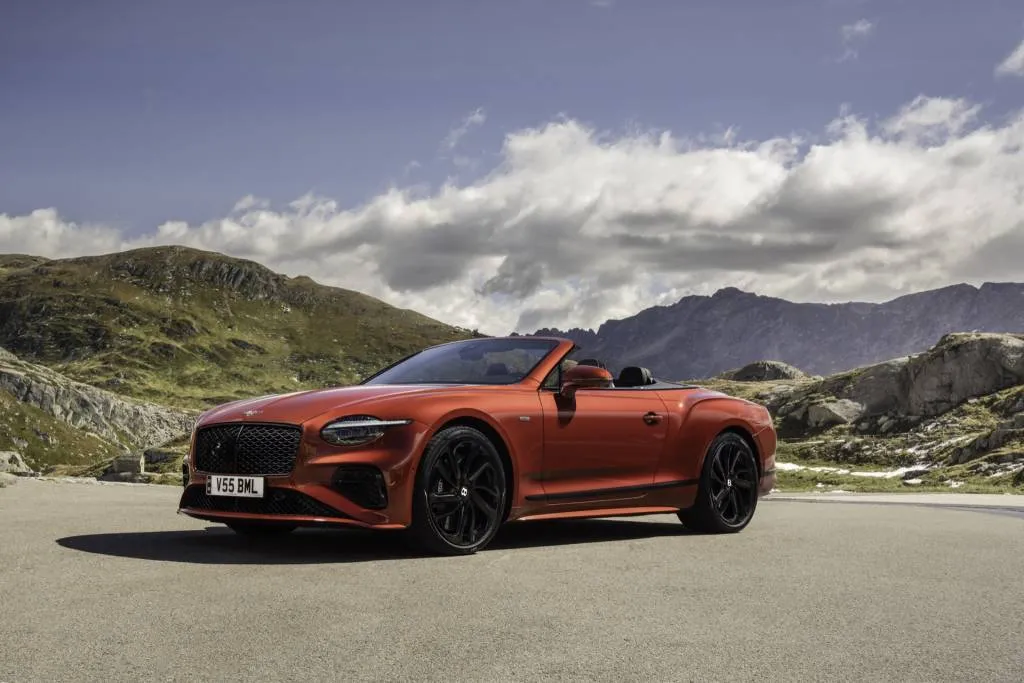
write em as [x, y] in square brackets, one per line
[475, 361]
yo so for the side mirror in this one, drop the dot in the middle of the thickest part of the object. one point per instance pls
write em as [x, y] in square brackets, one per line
[583, 377]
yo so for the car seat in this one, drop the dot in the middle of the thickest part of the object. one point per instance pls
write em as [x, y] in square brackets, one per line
[634, 376]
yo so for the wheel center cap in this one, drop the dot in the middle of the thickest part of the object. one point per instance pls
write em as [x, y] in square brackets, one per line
[463, 492]
[728, 483]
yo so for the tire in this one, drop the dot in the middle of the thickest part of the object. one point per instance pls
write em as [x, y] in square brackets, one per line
[261, 529]
[459, 497]
[728, 491]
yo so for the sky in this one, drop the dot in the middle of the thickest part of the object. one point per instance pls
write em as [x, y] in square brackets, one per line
[526, 163]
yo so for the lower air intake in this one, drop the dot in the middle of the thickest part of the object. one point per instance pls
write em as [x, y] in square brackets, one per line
[276, 501]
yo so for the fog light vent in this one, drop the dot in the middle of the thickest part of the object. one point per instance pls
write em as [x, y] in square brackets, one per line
[362, 484]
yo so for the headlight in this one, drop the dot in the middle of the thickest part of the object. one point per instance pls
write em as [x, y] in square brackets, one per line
[357, 430]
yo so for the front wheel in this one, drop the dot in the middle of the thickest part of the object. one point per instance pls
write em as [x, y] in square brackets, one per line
[460, 493]
[727, 496]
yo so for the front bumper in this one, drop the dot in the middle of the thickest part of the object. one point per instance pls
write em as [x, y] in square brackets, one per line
[367, 487]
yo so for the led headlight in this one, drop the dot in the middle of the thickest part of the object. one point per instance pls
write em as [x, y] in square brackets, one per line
[357, 430]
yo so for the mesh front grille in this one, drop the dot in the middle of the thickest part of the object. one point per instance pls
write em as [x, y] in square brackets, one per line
[275, 501]
[247, 449]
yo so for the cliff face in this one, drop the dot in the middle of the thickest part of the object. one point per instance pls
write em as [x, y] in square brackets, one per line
[50, 418]
[701, 336]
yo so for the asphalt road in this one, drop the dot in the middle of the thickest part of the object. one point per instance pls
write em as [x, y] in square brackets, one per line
[106, 582]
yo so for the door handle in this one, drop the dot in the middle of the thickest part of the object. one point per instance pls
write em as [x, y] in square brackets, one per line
[652, 418]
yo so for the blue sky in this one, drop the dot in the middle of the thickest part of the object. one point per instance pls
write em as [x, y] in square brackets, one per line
[132, 123]
[134, 113]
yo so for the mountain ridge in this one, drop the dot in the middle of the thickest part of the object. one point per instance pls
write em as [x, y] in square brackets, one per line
[702, 336]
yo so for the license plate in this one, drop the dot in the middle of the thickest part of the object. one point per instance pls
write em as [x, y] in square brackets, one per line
[236, 487]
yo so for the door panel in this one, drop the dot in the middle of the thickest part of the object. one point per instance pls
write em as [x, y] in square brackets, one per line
[601, 441]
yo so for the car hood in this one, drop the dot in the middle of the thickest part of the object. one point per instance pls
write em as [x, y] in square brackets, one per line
[298, 407]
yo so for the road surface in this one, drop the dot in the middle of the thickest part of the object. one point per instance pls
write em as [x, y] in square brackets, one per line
[107, 583]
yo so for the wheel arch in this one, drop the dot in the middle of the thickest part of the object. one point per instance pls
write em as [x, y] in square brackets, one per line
[744, 433]
[499, 443]
[713, 416]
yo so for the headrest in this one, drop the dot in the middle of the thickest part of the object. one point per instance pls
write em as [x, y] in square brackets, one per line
[634, 376]
[497, 369]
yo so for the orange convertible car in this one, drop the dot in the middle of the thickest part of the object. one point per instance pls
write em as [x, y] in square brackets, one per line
[457, 439]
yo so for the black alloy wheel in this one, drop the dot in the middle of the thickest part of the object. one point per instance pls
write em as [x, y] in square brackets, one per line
[460, 494]
[728, 492]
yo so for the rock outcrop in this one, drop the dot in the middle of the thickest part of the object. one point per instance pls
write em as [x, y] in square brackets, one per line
[12, 463]
[763, 370]
[903, 391]
[133, 424]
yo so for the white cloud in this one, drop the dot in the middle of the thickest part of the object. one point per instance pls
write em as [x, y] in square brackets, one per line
[44, 233]
[852, 35]
[1013, 65]
[477, 117]
[933, 117]
[575, 225]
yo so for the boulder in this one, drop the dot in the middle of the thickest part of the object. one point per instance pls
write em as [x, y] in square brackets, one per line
[133, 463]
[155, 456]
[13, 463]
[764, 371]
[829, 413]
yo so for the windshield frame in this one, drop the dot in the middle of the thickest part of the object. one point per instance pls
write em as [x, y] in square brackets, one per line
[550, 346]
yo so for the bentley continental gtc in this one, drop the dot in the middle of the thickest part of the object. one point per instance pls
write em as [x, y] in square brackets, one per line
[458, 439]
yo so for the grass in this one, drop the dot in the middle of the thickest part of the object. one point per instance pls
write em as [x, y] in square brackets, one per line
[193, 329]
[935, 482]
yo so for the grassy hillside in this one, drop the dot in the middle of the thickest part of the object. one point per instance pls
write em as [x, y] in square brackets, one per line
[191, 328]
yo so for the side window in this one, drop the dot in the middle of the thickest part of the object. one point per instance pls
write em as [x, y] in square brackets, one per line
[554, 378]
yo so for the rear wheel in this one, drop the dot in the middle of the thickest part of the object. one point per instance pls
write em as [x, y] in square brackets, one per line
[460, 493]
[727, 496]
[261, 529]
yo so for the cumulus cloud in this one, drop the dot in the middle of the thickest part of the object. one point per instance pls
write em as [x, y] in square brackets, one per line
[44, 233]
[1013, 65]
[852, 35]
[575, 225]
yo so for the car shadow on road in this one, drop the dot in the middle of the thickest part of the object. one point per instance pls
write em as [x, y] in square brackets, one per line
[218, 545]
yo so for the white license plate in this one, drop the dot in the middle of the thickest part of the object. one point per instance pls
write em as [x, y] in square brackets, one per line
[236, 487]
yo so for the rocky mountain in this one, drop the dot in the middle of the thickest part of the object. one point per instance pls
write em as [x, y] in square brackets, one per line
[191, 328]
[702, 336]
